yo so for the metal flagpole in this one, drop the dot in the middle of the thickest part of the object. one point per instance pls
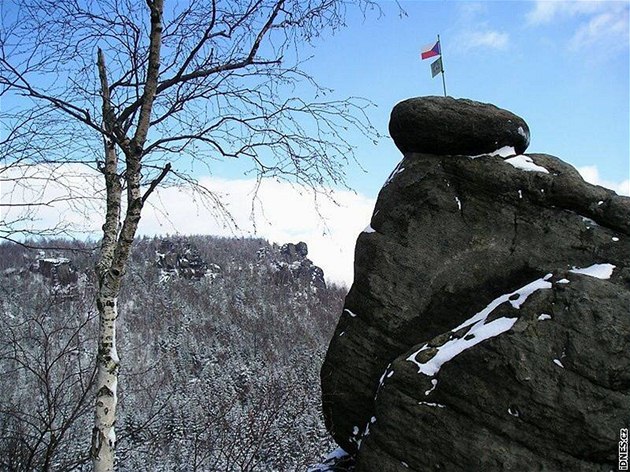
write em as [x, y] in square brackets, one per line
[442, 64]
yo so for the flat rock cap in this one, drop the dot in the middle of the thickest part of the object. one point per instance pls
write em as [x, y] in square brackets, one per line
[455, 126]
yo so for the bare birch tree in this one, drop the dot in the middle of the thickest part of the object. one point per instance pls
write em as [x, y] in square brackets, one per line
[136, 89]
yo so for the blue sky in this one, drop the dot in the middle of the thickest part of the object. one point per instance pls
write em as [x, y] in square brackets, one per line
[562, 66]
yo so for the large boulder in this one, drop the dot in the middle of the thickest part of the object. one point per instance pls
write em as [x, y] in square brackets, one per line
[451, 126]
[539, 387]
[487, 327]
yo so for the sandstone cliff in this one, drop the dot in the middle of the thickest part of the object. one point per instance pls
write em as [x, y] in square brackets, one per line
[487, 327]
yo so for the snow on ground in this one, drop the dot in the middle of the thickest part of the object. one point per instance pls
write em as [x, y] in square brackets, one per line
[459, 203]
[56, 260]
[434, 383]
[505, 151]
[397, 170]
[521, 294]
[432, 405]
[514, 412]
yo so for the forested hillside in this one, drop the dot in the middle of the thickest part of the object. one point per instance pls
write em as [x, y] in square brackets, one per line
[220, 340]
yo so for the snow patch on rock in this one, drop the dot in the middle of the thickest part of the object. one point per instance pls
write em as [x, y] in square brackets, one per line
[480, 330]
[525, 163]
[599, 271]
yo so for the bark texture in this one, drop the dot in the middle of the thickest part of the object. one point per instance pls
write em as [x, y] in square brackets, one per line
[118, 238]
[108, 364]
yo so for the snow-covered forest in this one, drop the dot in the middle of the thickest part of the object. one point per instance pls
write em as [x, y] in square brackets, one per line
[220, 340]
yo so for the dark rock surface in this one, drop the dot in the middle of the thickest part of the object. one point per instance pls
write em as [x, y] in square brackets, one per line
[451, 126]
[551, 393]
[182, 259]
[290, 264]
[294, 252]
[541, 378]
[58, 270]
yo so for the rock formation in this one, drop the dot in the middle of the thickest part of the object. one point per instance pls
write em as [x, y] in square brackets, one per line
[449, 126]
[59, 270]
[290, 264]
[487, 327]
[183, 259]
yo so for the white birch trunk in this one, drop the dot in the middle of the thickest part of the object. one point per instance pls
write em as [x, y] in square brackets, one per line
[117, 241]
[103, 434]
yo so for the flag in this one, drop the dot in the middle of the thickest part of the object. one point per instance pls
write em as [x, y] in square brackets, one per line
[431, 50]
[436, 67]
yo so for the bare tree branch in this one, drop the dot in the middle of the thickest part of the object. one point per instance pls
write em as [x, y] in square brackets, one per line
[153, 185]
[199, 81]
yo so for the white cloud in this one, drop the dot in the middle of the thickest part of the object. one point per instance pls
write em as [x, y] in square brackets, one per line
[469, 11]
[61, 199]
[474, 31]
[607, 29]
[486, 39]
[545, 11]
[280, 213]
[591, 175]
[599, 24]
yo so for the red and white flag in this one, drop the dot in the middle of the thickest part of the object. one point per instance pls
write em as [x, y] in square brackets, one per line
[431, 50]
